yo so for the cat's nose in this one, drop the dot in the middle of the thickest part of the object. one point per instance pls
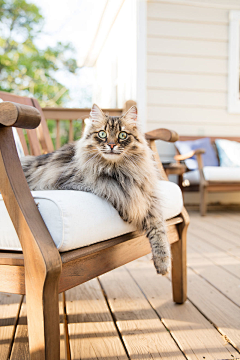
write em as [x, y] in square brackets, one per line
[111, 145]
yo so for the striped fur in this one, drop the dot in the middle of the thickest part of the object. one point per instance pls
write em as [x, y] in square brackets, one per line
[121, 171]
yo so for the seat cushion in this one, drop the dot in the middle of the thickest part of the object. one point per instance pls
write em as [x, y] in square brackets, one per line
[76, 218]
[18, 143]
[209, 158]
[214, 173]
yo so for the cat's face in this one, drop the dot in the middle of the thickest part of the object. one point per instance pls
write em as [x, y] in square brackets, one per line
[113, 138]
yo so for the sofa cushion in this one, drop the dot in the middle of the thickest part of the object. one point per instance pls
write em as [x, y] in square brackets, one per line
[214, 173]
[228, 152]
[76, 218]
[209, 158]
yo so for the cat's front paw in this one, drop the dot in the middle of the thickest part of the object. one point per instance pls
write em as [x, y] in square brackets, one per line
[162, 264]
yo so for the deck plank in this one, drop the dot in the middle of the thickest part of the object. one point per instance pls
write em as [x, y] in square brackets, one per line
[92, 333]
[226, 283]
[217, 256]
[214, 239]
[196, 336]
[224, 314]
[214, 223]
[9, 312]
[143, 332]
[228, 225]
[20, 349]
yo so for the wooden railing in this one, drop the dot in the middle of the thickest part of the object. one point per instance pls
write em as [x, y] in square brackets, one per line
[64, 114]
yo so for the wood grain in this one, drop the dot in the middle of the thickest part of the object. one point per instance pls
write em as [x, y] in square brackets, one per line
[217, 256]
[20, 350]
[142, 331]
[19, 115]
[216, 307]
[77, 272]
[12, 274]
[91, 329]
[9, 310]
[194, 334]
[226, 283]
[162, 134]
[42, 130]
[74, 114]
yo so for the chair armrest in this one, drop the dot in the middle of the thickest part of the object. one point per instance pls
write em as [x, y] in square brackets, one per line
[162, 134]
[189, 155]
[198, 153]
[41, 258]
[18, 115]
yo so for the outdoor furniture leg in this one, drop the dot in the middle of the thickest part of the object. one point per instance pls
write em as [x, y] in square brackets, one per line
[43, 321]
[179, 262]
[203, 200]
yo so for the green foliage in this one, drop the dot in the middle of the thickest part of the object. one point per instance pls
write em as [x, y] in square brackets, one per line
[24, 68]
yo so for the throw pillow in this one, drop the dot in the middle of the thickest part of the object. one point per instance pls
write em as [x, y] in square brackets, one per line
[209, 158]
[228, 152]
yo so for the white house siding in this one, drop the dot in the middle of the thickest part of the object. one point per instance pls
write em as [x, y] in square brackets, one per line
[187, 69]
[115, 66]
[187, 59]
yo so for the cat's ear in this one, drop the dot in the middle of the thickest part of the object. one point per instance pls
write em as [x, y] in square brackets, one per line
[131, 115]
[96, 114]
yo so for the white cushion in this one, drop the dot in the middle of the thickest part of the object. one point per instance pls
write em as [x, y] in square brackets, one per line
[214, 173]
[18, 143]
[76, 218]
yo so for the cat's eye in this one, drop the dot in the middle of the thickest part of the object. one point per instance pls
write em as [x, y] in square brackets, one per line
[102, 134]
[122, 135]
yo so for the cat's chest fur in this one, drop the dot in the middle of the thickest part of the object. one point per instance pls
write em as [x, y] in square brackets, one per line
[130, 195]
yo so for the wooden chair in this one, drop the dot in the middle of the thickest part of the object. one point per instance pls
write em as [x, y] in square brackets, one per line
[205, 186]
[40, 271]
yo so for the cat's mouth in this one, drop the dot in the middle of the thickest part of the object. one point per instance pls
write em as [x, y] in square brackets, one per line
[111, 152]
[111, 155]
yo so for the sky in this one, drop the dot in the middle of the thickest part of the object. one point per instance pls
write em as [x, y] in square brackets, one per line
[74, 21]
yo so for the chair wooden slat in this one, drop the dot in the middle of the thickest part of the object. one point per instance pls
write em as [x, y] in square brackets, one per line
[42, 130]
[23, 141]
[35, 147]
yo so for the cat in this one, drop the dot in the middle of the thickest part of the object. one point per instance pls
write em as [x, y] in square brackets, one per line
[113, 161]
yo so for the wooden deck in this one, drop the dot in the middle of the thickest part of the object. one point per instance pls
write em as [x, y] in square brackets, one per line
[129, 314]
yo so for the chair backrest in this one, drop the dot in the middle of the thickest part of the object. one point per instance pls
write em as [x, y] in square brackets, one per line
[39, 139]
[212, 138]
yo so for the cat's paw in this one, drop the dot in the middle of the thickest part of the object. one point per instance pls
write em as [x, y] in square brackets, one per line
[162, 264]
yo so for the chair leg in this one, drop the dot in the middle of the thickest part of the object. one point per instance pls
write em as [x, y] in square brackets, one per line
[179, 262]
[203, 200]
[43, 322]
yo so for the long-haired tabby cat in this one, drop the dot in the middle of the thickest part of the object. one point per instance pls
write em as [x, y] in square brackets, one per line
[113, 161]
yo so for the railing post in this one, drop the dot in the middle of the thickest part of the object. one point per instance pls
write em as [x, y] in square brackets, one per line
[70, 131]
[58, 139]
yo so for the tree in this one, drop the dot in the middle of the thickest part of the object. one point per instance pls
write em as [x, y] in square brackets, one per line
[24, 68]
